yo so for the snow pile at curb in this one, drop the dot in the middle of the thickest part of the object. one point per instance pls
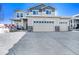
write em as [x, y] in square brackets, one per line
[7, 40]
[74, 31]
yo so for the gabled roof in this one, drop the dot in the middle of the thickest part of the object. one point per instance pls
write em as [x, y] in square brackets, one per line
[77, 15]
[18, 11]
[41, 6]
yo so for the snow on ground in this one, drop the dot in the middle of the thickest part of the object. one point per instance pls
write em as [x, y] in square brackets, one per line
[74, 31]
[7, 40]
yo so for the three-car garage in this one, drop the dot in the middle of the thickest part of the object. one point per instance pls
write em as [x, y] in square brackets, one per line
[48, 24]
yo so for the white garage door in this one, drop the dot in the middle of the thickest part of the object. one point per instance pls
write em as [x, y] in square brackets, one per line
[43, 26]
[63, 28]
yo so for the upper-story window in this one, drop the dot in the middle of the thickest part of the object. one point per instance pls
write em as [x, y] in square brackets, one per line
[48, 11]
[21, 14]
[35, 12]
[17, 15]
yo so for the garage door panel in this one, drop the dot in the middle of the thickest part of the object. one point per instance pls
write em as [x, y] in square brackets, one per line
[43, 27]
[64, 28]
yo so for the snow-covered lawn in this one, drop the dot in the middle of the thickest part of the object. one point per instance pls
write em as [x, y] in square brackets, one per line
[7, 40]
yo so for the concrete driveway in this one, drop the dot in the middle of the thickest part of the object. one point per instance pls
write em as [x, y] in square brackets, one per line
[47, 43]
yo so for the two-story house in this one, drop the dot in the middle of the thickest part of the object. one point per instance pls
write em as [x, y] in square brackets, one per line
[41, 18]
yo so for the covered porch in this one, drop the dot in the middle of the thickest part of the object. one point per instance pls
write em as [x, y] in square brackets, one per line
[21, 24]
[76, 23]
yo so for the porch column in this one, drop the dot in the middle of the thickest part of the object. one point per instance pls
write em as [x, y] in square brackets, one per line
[25, 24]
[75, 24]
[21, 22]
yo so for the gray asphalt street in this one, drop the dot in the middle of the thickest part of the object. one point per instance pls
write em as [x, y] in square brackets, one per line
[47, 43]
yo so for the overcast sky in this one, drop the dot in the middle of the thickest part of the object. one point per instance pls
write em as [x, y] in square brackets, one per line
[62, 9]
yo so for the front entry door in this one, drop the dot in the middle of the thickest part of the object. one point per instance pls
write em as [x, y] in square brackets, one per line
[25, 24]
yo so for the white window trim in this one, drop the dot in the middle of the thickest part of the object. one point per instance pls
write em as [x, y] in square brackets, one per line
[48, 10]
[19, 14]
[35, 10]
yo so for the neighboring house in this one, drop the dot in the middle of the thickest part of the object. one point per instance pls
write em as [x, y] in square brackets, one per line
[75, 22]
[41, 18]
[4, 29]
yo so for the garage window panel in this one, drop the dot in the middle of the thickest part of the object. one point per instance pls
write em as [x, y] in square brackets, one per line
[34, 21]
[52, 21]
[47, 21]
[42, 21]
[39, 21]
[62, 22]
